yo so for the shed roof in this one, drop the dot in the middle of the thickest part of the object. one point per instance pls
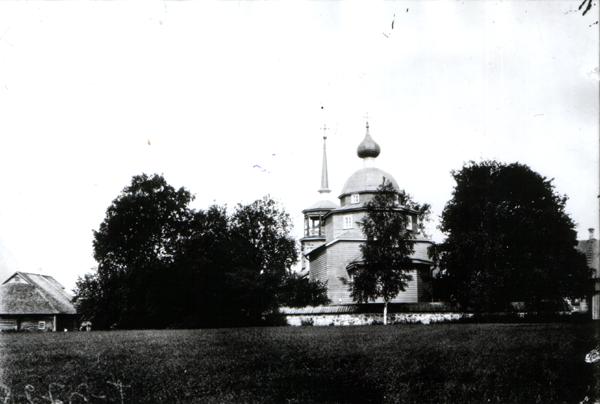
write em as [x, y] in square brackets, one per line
[28, 293]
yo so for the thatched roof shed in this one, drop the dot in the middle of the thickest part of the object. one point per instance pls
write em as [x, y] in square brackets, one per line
[27, 300]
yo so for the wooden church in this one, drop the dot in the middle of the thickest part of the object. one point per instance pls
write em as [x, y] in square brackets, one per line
[332, 232]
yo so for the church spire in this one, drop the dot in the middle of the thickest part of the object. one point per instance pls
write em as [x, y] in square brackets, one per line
[324, 177]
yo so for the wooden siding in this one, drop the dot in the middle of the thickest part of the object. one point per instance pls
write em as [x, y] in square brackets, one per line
[364, 199]
[31, 323]
[421, 248]
[8, 324]
[329, 265]
[339, 255]
[318, 267]
[329, 228]
[337, 225]
[307, 246]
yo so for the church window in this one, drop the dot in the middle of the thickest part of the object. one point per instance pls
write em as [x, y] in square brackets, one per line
[348, 223]
[355, 198]
[315, 226]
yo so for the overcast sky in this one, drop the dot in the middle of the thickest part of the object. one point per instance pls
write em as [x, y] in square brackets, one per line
[92, 93]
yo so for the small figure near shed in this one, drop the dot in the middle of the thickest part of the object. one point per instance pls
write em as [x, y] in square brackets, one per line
[85, 326]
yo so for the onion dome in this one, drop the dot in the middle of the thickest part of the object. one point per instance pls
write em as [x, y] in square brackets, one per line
[367, 179]
[368, 147]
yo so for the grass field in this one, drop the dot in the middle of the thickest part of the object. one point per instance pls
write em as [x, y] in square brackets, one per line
[459, 363]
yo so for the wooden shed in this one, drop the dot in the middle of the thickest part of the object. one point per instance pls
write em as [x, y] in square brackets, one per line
[34, 302]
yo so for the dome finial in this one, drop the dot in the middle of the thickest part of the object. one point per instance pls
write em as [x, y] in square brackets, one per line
[368, 147]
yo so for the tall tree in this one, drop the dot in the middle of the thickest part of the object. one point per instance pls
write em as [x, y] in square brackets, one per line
[135, 247]
[262, 253]
[384, 270]
[200, 269]
[162, 264]
[508, 239]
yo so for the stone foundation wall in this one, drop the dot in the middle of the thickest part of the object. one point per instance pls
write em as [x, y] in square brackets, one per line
[373, 318]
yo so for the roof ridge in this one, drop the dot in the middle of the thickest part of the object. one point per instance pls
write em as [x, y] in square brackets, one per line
[30, 273]
[17, 273]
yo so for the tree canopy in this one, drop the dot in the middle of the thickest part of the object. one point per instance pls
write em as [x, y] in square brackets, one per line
[262, 253]
[163, 264]
[509, 239]
[136, 243]
[384, 269]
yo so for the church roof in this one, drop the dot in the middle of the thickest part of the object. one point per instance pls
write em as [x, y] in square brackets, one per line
[323, 204]
[27, 293]
[367, 180]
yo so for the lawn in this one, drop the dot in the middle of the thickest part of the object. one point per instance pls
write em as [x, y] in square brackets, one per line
[447, 363]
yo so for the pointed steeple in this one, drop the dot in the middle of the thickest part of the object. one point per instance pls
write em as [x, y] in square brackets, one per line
[324, 177]
[368, 148]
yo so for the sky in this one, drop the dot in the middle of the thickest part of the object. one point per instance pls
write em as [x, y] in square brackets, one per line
[228, 100]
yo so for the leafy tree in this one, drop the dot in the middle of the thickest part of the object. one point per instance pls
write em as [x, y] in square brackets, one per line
[162, 264]
[508, 239]
[384, 270]
[262, 253]
[300, 291]
[200, 267]
[135, 248]
[90, 298]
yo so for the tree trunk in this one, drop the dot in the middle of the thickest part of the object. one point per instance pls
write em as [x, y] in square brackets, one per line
[385, 313]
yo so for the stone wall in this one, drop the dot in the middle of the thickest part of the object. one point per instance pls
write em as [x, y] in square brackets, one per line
[373, 318]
